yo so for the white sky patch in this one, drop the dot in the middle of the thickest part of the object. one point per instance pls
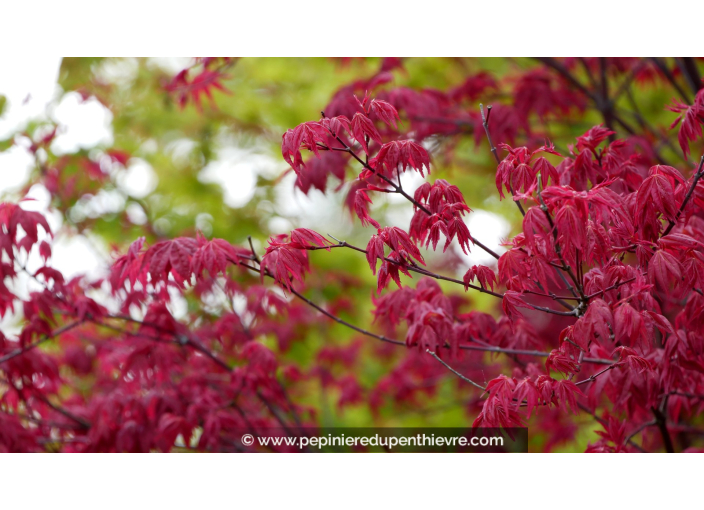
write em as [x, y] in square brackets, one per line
[72, 255]
[41, 201]
[136, 214]
[410, 181]
[78, 255]
[324, 213]
[236, 170]
[171, 65]
[28, 90]
[32, 93]
[29, 84]
[16, 164]
[82, 124]
[118, 71]
[95, 206]
[180, 150]
[279, 225]
[178, 306]
[489, 228]
[138, 180]
[204, 223]
[397, 215]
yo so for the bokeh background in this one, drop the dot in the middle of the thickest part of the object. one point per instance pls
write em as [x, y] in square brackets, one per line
[218, 169]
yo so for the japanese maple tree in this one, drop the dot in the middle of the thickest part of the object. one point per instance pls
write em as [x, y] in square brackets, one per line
[590, 316]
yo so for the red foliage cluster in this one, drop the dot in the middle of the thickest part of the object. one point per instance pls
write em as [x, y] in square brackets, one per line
[192, 83]
[601, 292]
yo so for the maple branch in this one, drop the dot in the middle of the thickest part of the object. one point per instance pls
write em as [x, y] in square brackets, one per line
[640, 429]
[382, 338]
[683, 394]
[275, 413]
[551, 295]
[593, 377]
[40, 422]
[465, 379]
[555, 235]
[54, 334]
[689, 70]
[202, 349]
[564, 280]
[646, 126]
[625, 85]
[485, 124]
[661, 423]
[344, 322]
[179, 339]
[587, 71]
[254, 253]
[445, 120]
[562, 70]
[612, 287]
[671, 78]
[398, 189]
[522, 352]
[697, 176]
[605, 424]
[184, 341]
[80, 421]
[602, 104]
[425, 272]
[499, 350]
[413, 268]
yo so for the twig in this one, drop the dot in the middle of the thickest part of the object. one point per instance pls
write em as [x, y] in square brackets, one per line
[425, 272]
[500, 350]
[660, 421]
[54, 334]
[697, 176]
[640, 429]
[485, 123]
[398, 189]
[593, 377]
[465, 379]
[671, 78]
[254, 253]
[558, 248]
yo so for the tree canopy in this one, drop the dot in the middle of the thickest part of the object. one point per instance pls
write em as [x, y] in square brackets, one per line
[331, 242]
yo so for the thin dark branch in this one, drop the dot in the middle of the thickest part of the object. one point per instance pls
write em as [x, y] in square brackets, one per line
[499, 350]
[671, 78]
[558, 248]
[80, 421]
[425, 272]
[593, 377]
[54, 334]
[254, 253]
[640, 429]
[398, 189]
[601, 104]
[485, 123]
[612, 287]
[344, 322]
[697, 176]
[689, 70]
[661, 423]
[465, 379]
